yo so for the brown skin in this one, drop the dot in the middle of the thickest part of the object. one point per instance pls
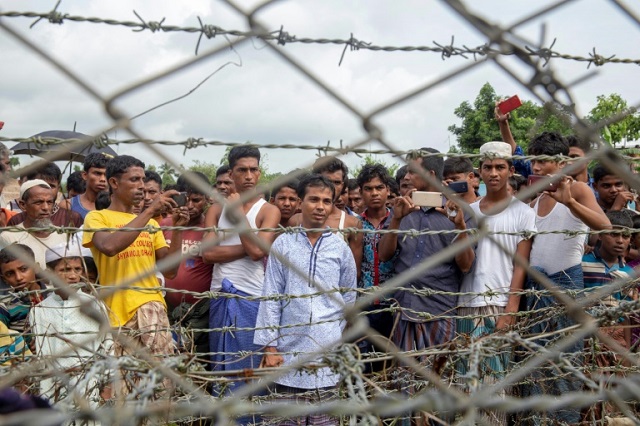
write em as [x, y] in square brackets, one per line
[245, 175]
[128, 191]
[613, 193]
[19, 276]
[37, 207]
[469, 196]
[354, 239]
[96, 179]
[316, 206]
[71, 271]
[577, 196]
[356, 203]
[287, 201]
[404, 205]
[224, 185]
[374, 196]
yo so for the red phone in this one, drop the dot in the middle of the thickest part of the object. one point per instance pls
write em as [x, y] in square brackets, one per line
[550, 186]
[509, 105]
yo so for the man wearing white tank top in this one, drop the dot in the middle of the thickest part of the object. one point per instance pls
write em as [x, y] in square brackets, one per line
[572, 207]
[238, 260]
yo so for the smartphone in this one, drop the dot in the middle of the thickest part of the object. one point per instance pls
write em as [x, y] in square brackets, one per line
[180, 199]
[509, 105]
[550, 186]
[459, 187]
[427, 199]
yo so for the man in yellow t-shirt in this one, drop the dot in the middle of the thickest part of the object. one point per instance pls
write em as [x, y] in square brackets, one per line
[128, 258]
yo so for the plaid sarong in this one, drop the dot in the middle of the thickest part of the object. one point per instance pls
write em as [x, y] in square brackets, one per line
[295, 396]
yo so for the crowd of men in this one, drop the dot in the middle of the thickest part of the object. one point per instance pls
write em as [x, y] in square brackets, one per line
[272, 275]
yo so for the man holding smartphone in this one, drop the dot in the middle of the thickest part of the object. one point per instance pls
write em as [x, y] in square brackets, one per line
[426, 320]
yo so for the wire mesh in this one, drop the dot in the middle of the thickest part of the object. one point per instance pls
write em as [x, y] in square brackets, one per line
[453, 382]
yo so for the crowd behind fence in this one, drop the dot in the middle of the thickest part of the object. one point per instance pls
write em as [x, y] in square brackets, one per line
[438, 384]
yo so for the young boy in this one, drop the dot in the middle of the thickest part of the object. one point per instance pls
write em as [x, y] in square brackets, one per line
[601, 267]
[285, 198]
[25, 290]
[65, 337]
[95, 169]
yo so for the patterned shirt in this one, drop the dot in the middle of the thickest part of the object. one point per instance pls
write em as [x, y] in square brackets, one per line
[302, 323]
[597, 274]
[374, 272]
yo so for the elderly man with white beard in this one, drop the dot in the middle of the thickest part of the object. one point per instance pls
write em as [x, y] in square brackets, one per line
[36, 201]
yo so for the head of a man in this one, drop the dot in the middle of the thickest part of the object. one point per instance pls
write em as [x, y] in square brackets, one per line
[197, 187]
[578, 148]
[496, 167]
[333, 169]
[125, 175]
[224, 184]
[355, 201]
[459, 169]
[66, 261]
[423, 161]
[374, 181]
[95, 172]
[317, 194]
[607, 185]
[404, 183]
[548, 143]
[613, 246]
[285, 198]
[16, 269]
[48, 172]
[76, 185]
[152, 187]
[244, 162]
[36, 201]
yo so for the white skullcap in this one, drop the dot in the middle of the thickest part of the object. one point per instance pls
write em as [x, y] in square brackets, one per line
[30, 184]
[496, 150]
[71, 249]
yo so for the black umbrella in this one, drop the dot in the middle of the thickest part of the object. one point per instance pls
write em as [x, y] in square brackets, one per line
[72, 151]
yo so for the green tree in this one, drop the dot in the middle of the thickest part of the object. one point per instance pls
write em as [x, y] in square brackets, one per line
[370, 159]
[208, 169]
[14, 162]
[167, 172]
[479, 125]
[624, 130]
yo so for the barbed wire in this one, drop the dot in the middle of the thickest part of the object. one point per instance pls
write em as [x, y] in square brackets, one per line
[282, 38]
[433, 381]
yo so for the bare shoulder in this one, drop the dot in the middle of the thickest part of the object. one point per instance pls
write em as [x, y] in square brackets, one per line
[213, 215]
[65, 204]
[352, 222]
[268, 213]
[581, 190]
[295, 220]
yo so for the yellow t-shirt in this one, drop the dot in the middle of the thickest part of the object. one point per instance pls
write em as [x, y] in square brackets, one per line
[137, 260]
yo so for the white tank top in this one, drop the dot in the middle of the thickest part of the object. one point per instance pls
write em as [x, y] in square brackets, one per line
[557, 252]
[246, 275]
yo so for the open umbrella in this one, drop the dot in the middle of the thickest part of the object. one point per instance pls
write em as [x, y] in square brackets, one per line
[72, 151]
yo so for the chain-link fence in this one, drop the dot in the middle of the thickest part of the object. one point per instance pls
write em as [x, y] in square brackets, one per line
[558, 343]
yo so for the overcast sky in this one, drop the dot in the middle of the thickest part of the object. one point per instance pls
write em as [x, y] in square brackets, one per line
[259, 97]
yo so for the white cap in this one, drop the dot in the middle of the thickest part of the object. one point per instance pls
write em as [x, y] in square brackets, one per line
[73, 248]
[496, 150]
[30, 184]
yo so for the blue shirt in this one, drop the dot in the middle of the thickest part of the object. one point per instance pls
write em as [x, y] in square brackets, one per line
[445, 277]
[311, 316]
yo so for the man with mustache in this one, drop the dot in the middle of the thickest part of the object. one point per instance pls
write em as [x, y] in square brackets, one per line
[36, 201]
